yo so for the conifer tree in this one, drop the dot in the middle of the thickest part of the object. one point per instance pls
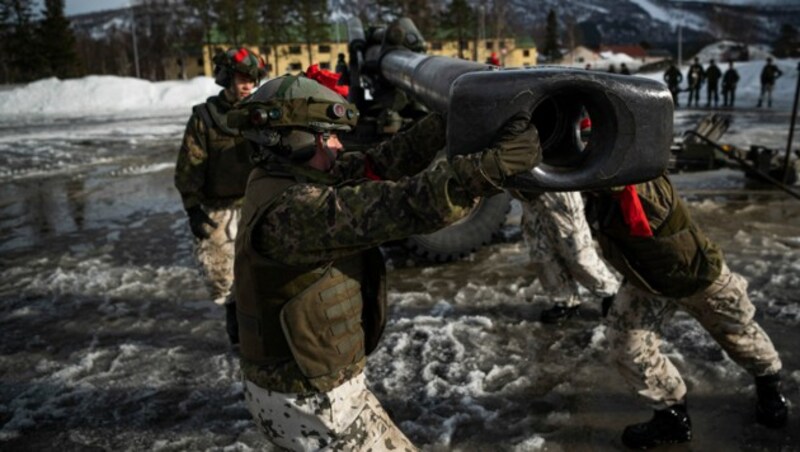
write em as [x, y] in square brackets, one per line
[551, 43]
[56, 42]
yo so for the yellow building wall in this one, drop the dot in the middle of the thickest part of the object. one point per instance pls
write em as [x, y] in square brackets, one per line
[294, 58]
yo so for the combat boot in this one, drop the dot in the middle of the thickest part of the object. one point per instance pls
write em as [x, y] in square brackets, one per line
[771, 408]
[231, 323]
[558, 313]
[668, 426]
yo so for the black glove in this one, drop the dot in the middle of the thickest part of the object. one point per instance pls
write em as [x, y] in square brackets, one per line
[515, 150]
[429, 132]
[606, 305]
[200, 222]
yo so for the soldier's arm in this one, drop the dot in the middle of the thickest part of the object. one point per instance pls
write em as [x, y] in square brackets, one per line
[410, 151]
[312, 223]
[190, 169]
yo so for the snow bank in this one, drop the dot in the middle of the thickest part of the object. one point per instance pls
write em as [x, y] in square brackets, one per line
[104, 96]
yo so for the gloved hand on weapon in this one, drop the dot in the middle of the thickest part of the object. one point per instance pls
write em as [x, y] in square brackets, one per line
[200, 223]
[516, 150]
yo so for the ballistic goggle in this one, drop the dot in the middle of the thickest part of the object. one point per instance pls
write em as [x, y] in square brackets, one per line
[314, 114]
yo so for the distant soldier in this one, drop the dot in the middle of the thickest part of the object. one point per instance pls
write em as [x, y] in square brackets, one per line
[713, 74]
[695, 77]
[612, 69]
[729, 82]
[673, 79]
[623, 69]
[211, 174]
[769, 75]
[343, 69]
[588, 67]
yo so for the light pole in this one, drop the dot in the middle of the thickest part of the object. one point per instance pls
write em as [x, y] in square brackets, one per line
[135, 45]
[791, 130]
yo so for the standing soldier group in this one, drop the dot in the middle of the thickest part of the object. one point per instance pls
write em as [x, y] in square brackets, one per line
[310, 292]
[697, 75]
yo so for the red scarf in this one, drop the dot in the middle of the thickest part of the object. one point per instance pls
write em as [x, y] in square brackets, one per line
[633, 213]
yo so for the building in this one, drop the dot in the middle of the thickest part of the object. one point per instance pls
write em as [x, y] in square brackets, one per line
[293, 58]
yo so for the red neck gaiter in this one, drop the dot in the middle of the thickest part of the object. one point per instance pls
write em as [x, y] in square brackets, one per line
[633, 212]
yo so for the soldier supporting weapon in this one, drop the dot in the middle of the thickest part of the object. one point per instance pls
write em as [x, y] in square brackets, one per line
[562, 253]
[695, 75]
[729, 82]
[769, 75]
[713, 74]
[310, 280]
[646, 233]
[211, 173]
[673, 79]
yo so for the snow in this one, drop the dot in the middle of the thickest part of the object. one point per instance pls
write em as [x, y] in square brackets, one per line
[100, 95]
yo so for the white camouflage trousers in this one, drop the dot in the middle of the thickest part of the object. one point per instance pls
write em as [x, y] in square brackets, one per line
[347, 418]
[215, 254]
[561, 248]
[723, 309]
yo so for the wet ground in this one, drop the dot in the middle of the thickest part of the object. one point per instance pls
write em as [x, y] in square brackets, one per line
[108, 339]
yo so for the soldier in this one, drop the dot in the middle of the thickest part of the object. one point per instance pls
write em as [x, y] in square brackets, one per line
[623, 69]
[673, 79]
[769, 75]
[562, 253]
[310, 281]
[696, 76]
[211, 173]
[713, 74]
[646, 233]
[729, 82]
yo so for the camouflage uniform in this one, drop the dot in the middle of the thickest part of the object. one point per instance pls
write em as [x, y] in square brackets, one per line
[561, 248]
[348, 418]
[676, 266]
[319, 220]
[723, 309]
[201, 182]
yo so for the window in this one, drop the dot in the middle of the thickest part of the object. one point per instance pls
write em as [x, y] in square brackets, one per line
[295, 67]
[526, 53]
[489, 45]
[269, 67]
[324, 48]
[436, 45]
[325, 65]
[200, 62]
[266, 50]
[502, 44]
[295, 50]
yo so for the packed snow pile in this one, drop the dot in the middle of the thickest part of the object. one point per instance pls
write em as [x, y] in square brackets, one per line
[104, 96]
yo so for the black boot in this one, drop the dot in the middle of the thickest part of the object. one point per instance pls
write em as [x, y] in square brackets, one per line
[771, 409]
[668, 426]
[231, 323]
[558, 313]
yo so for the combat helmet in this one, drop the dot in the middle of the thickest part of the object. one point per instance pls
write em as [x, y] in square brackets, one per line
[237, 60]
[287, 115]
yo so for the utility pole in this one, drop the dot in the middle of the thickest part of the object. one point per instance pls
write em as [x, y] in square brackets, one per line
[680, 35]
[791, 130]
[135, 45]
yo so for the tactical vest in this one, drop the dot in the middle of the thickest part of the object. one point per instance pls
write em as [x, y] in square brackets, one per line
[321, 320]
[678, 261]
[228, 153]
